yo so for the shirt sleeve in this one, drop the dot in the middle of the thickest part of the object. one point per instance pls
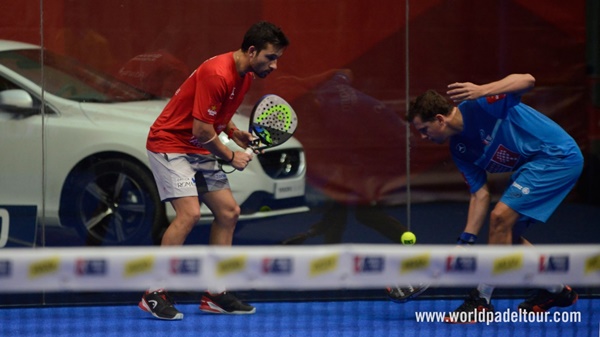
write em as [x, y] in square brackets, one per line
[475, 177]
[499, 105]
[209, 97]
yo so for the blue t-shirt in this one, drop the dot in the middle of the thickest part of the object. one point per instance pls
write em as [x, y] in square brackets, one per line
[500, 134]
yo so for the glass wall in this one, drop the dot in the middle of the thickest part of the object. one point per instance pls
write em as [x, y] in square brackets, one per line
[74, 115]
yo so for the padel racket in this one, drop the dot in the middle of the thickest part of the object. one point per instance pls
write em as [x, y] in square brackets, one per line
[273, 121]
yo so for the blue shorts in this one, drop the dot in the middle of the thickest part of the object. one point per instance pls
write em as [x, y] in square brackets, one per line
[539, 186]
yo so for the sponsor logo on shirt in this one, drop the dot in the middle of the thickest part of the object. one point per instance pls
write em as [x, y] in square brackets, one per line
[485, 139]
[503, 160]
[212, 110]
[494, 98]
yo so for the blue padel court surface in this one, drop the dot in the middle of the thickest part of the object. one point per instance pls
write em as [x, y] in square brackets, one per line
[277, 319]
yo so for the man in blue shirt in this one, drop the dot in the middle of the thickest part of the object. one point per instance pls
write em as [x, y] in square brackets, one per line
[492, 131]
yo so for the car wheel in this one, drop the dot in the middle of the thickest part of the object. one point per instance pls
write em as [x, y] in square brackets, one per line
[113, 202]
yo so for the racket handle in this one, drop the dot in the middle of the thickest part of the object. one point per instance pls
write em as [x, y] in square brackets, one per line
[249, 150]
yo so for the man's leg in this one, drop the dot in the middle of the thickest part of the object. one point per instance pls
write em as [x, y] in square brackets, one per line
[187, 214]
[502, 221]
[226, 212]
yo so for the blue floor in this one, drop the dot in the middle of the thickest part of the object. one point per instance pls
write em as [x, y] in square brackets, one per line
[277, 319]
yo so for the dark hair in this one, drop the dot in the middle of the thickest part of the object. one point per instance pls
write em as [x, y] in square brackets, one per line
[262, 33]
[428, 105]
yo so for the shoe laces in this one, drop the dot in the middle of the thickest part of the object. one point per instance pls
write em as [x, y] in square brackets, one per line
[473, 301]
[538, 296]
[166, 297]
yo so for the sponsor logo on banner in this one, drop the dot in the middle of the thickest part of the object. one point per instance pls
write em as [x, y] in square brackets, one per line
[277, 265]
[592, 264]
[554, 263]
[508, 263]
[231, 265]
[368, 264]
[461, 264]
[324, 265]
[44, 267]
[139, 266]
[415, 263]
[5, 268]
[90, 267]
[185, 266]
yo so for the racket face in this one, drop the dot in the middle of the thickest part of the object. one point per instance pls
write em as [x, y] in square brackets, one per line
[273, 120]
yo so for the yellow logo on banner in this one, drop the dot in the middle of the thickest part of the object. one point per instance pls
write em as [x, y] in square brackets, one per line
[415, 263]
[592, 264]
[508, 263]
[324, 265]
[231, 265]
[44, 267]
[139, 266]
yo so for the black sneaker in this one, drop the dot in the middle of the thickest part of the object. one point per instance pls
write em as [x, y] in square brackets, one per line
[225, 303]
[474, 309]
[401, 294]
[160, 305]
[544, 300]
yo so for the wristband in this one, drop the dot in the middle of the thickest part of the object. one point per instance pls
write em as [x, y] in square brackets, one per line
[231, 131]
[232, 156]
[210, 140]
[466, 239]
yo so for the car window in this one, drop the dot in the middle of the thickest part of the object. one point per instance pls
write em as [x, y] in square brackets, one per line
[68, 78]
[6, 84]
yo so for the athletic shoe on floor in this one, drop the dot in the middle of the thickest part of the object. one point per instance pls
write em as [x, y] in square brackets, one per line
[401, 294]
[544, 300]
[225, 303]
[474, 309]
[160, 305]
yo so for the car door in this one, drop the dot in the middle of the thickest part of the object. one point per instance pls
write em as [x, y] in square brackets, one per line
[21, 149]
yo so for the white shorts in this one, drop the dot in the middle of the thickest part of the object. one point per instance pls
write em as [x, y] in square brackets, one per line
[183, 175]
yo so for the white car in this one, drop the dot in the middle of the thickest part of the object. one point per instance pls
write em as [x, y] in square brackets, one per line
[80, 156]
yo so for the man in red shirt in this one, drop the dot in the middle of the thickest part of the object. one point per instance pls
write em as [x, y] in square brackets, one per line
[183, 146]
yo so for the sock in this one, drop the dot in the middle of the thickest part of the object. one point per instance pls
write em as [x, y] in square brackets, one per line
[485, 291]
[556, 288]
[151, 290]
[216, 291]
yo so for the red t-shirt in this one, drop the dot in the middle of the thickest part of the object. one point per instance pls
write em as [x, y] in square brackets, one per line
[211, 94]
